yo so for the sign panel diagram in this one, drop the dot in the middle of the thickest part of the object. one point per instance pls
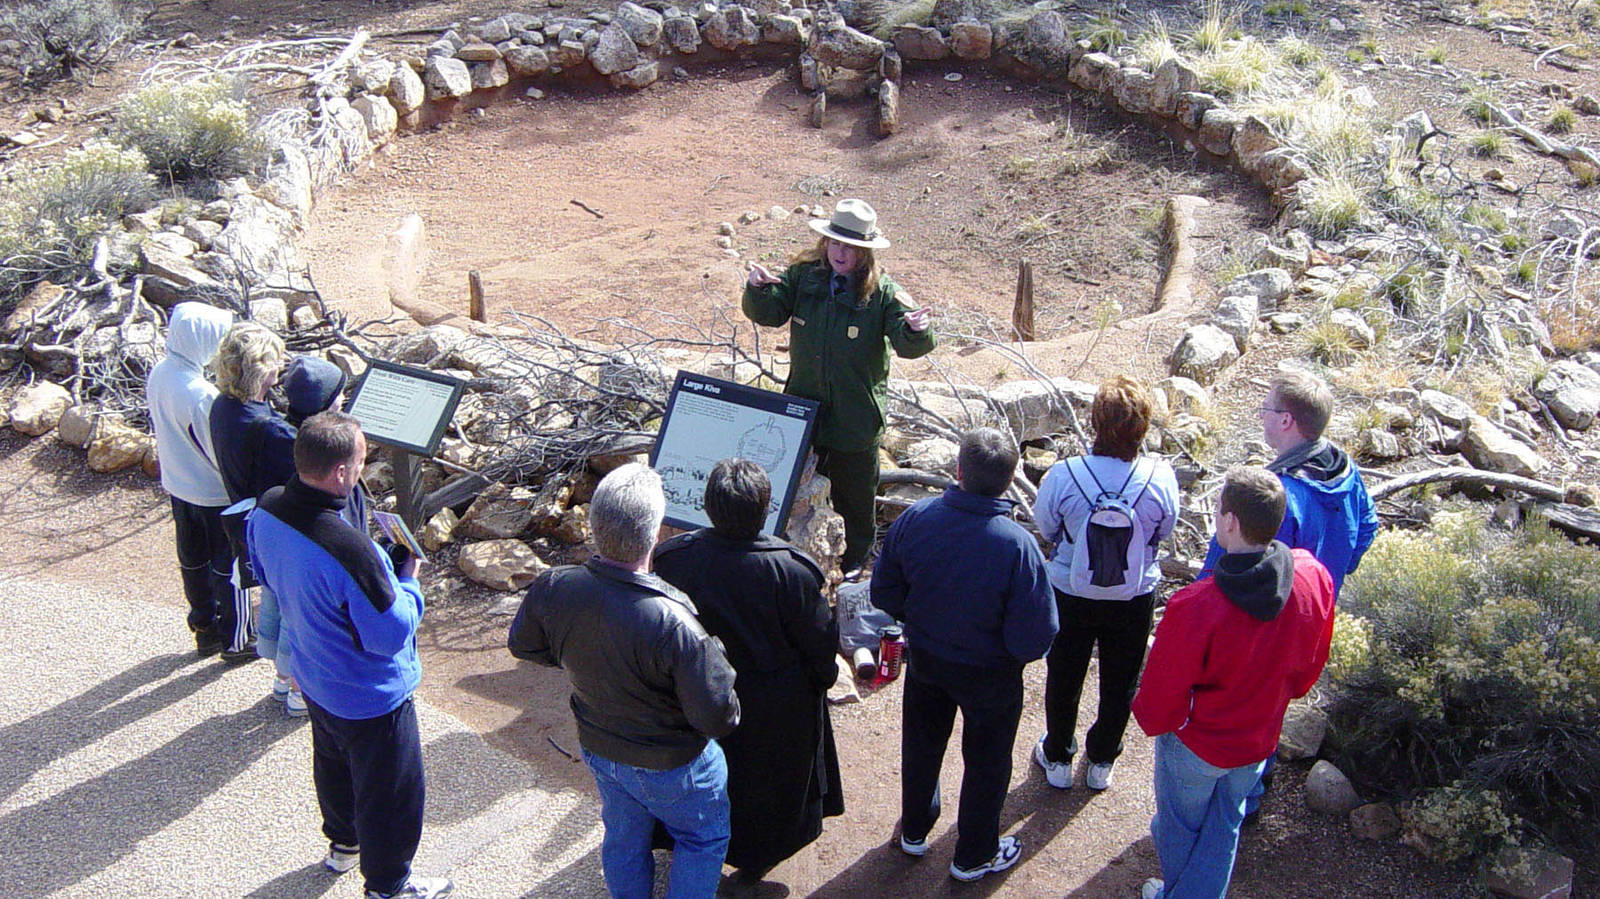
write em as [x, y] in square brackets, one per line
[708, 420]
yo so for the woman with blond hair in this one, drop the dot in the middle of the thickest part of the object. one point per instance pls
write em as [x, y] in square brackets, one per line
[844, 315]
[255, 452]
[1105, 512]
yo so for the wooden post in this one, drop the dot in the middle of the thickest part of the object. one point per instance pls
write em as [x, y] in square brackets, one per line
[407, 487]
[1022, 310]
[477, 309]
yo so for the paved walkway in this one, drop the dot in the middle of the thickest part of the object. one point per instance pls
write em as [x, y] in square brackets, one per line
[129, 767]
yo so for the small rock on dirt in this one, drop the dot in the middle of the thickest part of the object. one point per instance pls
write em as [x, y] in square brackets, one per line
[36, 409]
[1530, 874]
[1203, 352]
[1375, 821]
[1329, 791]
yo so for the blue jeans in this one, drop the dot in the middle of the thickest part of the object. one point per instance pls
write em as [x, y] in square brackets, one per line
[1199, 808]
[691, 801]
[269, 639]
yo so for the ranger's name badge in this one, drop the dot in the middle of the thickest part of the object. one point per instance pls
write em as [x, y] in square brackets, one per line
[851, 332]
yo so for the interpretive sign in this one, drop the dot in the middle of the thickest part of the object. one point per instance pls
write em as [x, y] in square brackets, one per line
[708, 420]
[405, 407]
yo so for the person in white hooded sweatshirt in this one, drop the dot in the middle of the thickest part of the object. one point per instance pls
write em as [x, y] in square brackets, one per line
[180, 400]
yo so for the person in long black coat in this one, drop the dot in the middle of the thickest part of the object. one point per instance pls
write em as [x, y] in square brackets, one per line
[763, 598]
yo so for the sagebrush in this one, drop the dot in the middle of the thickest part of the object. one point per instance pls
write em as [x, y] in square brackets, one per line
[51, 219]
[192, 131]
[1475, 666]
[61, 38]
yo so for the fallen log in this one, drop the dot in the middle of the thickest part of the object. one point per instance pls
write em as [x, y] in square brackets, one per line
[1179, 275]
[1458, 475]
[1574, 520]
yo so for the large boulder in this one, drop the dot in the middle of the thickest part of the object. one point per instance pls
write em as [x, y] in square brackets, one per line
[971, 40]
[731, 28]
[490, 75]
[501, 564]
[526, 62]
[1173, 79]
[117, 446]
[446, 78]
[1572, 392]
[935, 454]
[499, 513]
[77, 426]
[1355, 329]
[1202, 353]
[644, 26]
[615, 52]
[1304, 727]
[38, 408]
[1237, 316]
[837, 44]
[1034, 409]
[425, 347]
[1444, 407]
[378, 114]
[1488, 447]
[1268, 285]
[1329, 791]
[682, 34]
[920, 42]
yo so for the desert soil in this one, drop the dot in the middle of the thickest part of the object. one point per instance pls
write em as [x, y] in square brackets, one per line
[984, 172]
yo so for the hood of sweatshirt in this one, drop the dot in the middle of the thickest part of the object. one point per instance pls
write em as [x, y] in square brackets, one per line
[310, 385]
[1317, 462]
[195, 331]
[1258, 583]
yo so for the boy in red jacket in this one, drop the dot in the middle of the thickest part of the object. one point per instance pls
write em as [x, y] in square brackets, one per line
[1231, 651]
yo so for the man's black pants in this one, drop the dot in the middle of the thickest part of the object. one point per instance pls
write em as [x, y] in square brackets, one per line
[370, 787]
[216, 609]
[990, 700]
[1123, 631]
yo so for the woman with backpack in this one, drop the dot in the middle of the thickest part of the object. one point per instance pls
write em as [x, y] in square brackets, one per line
[1106, 513]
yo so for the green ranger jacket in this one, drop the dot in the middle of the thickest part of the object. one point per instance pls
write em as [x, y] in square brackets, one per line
[839, 353]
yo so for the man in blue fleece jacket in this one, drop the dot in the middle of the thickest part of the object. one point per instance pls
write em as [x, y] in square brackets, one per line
[352, 619]
[971, 587]
[1329, 513]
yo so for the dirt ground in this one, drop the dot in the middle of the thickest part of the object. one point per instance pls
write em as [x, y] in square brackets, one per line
[984, 172]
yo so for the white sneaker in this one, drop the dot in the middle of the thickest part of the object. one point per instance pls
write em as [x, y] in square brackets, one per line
[294, 705]
[1059, 774]
[1009, 853]
[418, 888]
[914, 848]
[341, 858]
[1098, 777]
[281, 686]
[1152, 888]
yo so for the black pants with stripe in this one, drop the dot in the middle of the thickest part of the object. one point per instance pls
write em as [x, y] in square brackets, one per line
[216, 609]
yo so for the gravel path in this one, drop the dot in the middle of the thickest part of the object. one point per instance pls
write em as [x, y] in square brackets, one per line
[133, 768]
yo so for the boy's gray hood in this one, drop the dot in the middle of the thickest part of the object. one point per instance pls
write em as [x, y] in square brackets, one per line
[195, 331]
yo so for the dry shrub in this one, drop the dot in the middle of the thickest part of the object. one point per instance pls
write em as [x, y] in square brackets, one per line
[51, 218]
[191, 131]
[1479, 671]
[60, 38]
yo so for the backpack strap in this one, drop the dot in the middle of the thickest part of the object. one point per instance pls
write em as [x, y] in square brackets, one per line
[1150, 479]
[1081, 492]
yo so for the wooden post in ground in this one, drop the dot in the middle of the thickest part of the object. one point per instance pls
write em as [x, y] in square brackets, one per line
[477, 308]
[1022, 310]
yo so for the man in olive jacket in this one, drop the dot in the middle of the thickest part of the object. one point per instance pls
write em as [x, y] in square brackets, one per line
[651, 690]
[844, 315]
